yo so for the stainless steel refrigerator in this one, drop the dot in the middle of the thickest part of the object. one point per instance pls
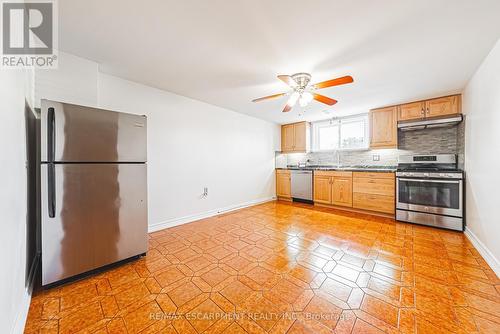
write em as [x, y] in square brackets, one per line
[93, 188]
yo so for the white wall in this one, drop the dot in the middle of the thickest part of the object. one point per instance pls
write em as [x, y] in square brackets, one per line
[191, 144]
[14, 296]
[481, 103]
[74, 81]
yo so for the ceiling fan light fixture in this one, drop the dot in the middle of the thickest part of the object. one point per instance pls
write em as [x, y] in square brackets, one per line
[301, 90]
[305, 98]
[293, 99]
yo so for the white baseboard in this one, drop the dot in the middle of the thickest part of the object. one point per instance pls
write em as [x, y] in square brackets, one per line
[24, 306]
[207, 214]
[484, 251]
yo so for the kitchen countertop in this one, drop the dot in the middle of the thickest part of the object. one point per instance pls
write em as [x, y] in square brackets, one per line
[345, 168]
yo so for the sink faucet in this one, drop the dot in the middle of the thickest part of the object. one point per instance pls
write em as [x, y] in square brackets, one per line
[337, 152]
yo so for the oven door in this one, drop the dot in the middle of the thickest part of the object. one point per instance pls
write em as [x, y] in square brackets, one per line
[442, 197]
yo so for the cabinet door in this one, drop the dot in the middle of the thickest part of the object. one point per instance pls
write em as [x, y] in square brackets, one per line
[287, 137]
[383, 128]
[300, 132]
[409, 111]
[283, 188]
[443, 106]
[322, 189]
[342, 191]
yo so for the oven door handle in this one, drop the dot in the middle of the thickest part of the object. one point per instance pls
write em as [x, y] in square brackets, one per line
[433, 181]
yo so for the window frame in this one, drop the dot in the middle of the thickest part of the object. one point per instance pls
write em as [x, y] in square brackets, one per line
[338, 121]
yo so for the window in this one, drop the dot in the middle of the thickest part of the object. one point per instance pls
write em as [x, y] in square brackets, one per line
[341, 134]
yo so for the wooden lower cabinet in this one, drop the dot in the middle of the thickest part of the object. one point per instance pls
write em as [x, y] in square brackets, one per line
[322, 189]
[283, 184]
[365, 191]
[342, 191]
[374, 192]
[377, 203]
[374, 186]
[333, 188]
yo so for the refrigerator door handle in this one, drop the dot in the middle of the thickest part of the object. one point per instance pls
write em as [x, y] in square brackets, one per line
[51, 134]
[51, 189]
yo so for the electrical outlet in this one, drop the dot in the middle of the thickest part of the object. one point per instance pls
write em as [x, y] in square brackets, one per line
[376, 157]
[205, 191]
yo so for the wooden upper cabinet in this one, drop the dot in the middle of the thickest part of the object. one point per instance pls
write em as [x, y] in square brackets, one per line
[410, 111]
[287, 137]
[283, 184]
[342, 191]
[443, 106]
[322, 189]
[301, 133]
[384, 128]
[295, 137]
[439, 107]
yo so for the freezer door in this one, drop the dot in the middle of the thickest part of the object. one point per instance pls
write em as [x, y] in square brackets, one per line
[92, 215]
[72, 133]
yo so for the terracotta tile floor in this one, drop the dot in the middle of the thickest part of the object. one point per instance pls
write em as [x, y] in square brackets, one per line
[282, 268]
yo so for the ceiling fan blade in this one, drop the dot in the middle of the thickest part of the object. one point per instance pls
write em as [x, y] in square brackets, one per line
[287, 108]
[333, 82]
[269, 97]
[292, 100]
[288, 80]
[324, 99]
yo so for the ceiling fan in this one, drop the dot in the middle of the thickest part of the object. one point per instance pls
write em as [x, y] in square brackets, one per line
[303, 93]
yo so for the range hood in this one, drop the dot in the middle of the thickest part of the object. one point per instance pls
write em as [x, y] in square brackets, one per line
[430, 123]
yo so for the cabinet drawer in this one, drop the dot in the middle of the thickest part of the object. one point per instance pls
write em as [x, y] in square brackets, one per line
[332, 173]
[374, 175]
[283, 171]
[374, 186]
[379, 203]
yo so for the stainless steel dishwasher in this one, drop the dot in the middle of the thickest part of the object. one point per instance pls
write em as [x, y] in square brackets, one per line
[302, 184]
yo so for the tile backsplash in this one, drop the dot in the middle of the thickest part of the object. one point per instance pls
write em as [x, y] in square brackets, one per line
[447, 140]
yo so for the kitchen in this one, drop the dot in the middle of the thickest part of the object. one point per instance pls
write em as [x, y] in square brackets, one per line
[250, 167]
[427, 143]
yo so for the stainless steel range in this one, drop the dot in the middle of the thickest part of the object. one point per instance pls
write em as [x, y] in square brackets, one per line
[429, 191]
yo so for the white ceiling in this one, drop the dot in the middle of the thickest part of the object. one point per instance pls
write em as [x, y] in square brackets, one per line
[229, 52]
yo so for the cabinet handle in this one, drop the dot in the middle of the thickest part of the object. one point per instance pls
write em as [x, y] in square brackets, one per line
[423, 111]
